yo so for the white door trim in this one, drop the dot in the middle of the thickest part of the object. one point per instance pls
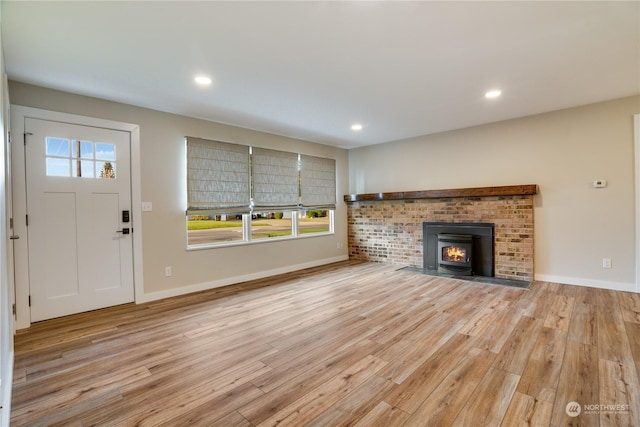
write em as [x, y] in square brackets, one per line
[636, 146]
[7, 323]
[18, 115]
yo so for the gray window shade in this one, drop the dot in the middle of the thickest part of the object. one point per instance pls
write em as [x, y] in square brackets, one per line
[275, 179]
[317, 182]
[217, 176]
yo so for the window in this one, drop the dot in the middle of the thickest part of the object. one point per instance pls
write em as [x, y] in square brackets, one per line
[214, 229]
[80, 159]
[242, 194]
[271, 224]
[315, 221]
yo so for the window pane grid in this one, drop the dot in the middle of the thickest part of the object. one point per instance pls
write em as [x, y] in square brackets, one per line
[77, 159]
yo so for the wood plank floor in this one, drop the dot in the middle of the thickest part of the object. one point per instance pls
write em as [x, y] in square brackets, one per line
[349, 344]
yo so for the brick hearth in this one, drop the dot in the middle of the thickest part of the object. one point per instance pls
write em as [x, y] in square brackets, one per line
[390, 231]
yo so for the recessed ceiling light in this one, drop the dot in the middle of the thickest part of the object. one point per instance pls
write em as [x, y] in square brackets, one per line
[202, 80]
[356, 126]
[493, 94]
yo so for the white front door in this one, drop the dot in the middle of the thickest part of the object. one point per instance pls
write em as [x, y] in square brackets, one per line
[78, 198]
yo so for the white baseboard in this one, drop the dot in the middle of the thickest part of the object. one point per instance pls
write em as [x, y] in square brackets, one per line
[5, 412]
[616, 286]
[153, 296]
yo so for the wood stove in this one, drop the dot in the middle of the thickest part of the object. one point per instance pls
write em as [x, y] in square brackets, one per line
[479, 251]
[455, 254]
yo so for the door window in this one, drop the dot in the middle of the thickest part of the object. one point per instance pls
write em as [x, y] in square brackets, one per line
[80, 159]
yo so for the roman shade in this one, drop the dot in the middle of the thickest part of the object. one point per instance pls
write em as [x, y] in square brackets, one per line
[275, 179]
[217, 177]
[232, 178]
[317, 182]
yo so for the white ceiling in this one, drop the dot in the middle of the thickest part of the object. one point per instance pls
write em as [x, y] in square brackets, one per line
[311, 69]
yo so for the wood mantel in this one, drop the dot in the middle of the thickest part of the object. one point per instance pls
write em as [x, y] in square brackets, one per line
[507, 190]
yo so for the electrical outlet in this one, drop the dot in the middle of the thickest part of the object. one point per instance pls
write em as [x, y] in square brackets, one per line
[147, 206]
[167, 271]
[606, 262]
[339, 245]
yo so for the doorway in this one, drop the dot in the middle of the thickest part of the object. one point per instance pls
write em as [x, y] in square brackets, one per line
[76, 200]
[79, 227]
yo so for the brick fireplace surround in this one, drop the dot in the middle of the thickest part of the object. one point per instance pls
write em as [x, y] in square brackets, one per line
[387, 227]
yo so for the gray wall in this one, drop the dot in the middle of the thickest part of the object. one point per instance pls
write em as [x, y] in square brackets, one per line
[563, 152]
[163, 184]
[576, 226]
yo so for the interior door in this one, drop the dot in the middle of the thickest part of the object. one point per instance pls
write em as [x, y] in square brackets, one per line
[78, 205]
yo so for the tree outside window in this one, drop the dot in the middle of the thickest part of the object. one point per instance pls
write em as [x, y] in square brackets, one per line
[107, 171]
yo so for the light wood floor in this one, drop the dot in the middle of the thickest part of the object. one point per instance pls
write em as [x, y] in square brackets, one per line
[346, 344]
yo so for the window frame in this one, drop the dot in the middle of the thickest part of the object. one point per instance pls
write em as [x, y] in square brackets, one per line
[246, 233]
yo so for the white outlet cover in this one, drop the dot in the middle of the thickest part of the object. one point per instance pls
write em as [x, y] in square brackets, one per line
[147, 206]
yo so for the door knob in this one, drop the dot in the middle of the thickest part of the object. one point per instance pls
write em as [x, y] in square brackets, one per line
[123, 231]
[15, 237]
